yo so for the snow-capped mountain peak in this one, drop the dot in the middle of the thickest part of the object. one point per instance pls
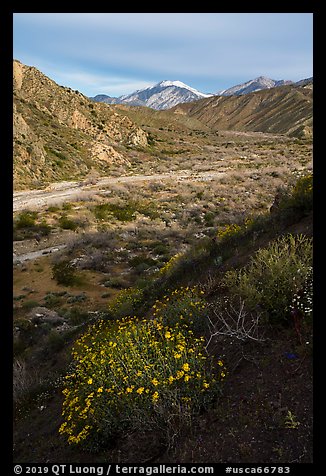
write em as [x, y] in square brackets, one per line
[180, 84]
[162, 95]
[167, 83]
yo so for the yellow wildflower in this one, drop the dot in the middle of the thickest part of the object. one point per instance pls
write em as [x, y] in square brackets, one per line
[155, 396]
[180, 374]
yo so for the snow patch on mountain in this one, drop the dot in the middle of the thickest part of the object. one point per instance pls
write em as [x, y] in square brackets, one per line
[180, 84]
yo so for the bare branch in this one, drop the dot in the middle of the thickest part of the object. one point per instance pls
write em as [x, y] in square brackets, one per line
[235, 323]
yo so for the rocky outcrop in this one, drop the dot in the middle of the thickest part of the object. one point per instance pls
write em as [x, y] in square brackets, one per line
[41, 315]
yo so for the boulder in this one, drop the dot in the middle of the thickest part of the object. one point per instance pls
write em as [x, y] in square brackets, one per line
[41, 315]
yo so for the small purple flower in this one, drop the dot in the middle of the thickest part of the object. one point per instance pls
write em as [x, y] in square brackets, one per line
[290, 355]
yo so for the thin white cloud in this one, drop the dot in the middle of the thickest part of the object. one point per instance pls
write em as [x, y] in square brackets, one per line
[93, 83]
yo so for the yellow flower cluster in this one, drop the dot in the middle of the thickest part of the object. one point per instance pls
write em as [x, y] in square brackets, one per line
[125, 301]
[124, 370]
[170, 264]
[185, 305]
[228, 231]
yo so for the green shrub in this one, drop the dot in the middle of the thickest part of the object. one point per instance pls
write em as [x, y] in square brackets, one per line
[30, 304]
[302, 194]
[274, 275]
[136, 375]
[26, 219]
[160, 249]
[170, 266]
[126, 303]
[142, 260]
[77, 316]
[25, 226]
[65, 273]
[185, 305]
[43, 228]
[67, 224]
[55, 342]
[120, 212]
[52, 300]
[53, 208]
[125, 212]
[230, 232]
[115, 283]
[297, 201]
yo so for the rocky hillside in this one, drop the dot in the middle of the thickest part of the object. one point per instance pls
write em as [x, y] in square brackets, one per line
[282, 110]
[59, 134]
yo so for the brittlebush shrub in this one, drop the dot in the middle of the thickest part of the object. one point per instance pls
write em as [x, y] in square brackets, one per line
[274, 276]
[185, 305]
[297, 201]
[136, 375]
[302, 194]
[126, 303]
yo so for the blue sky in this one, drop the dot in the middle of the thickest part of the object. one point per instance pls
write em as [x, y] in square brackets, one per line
[117, 53]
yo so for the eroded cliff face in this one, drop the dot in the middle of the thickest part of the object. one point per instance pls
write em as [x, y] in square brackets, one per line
[59, 134]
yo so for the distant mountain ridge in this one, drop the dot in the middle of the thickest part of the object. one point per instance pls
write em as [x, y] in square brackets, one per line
[253, 85]
[162, 95]
[286, 110]
[167, 94]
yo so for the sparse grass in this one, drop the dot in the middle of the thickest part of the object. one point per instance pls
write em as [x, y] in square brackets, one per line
[22, 380]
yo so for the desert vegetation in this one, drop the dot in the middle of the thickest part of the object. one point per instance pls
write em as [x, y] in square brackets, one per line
[163, 278]
[155, 317]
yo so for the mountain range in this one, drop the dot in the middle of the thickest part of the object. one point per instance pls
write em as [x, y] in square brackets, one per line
[167, 94]
[60, 134]
[163, 95]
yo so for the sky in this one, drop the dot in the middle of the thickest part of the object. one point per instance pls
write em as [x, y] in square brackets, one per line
[118, 53]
